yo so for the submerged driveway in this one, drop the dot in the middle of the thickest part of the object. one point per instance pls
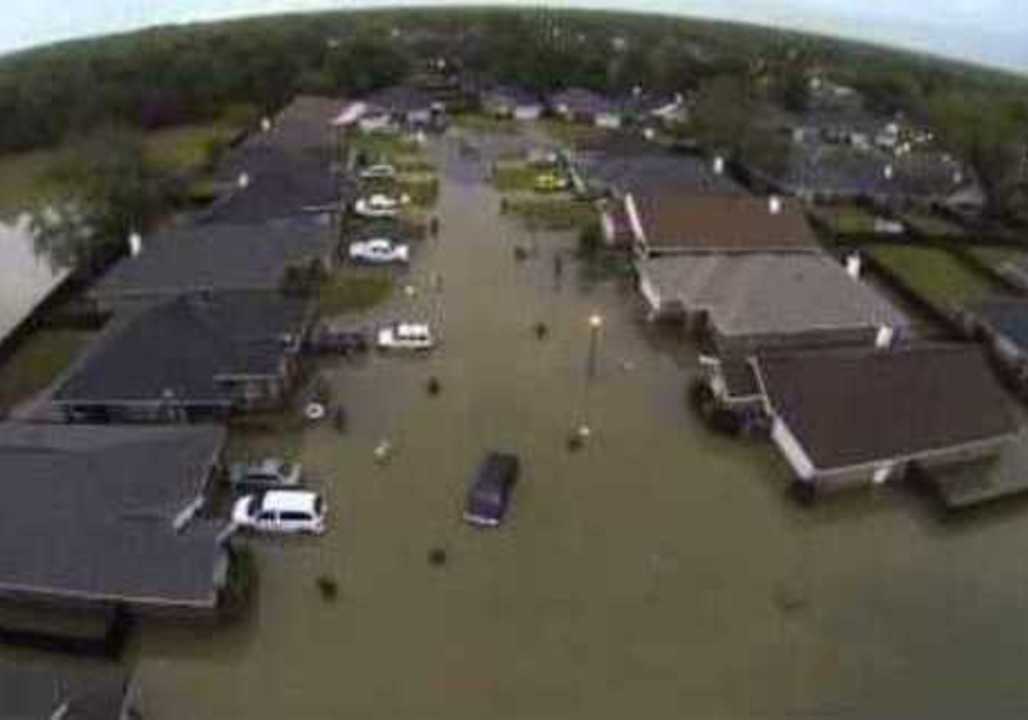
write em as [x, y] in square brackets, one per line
[659, 571]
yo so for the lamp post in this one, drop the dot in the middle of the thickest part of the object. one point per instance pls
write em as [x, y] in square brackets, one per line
[595, 323]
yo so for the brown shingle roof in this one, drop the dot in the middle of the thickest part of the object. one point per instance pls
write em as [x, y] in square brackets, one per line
[721, 222]
[854, 406]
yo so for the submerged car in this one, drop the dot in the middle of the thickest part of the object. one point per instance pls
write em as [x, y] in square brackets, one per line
[377, 206]
[379, 250]
[378, 172]
[489, 494]
[264, 474]
[405, 336]
[281, 511]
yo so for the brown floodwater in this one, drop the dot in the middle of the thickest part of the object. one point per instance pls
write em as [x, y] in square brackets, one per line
[660, 572]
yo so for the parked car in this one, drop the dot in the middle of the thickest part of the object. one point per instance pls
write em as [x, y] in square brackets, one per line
[265, 474]
[550, 182]
[377, 206]
[489, 494]
[378, 172]
[379, 251]
[281, 511]
[405, 336]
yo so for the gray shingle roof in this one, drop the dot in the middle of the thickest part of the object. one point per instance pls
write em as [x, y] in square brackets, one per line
[216, 257]
[401, 99]
[90, 510]
[749, 294]
[182, 345]
[583, 101]
[644, 171]
[855, 406]
[37, 692]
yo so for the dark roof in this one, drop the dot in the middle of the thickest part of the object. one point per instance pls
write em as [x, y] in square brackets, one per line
[740, 381]
[580, 100]
[401, 99]
[38, 692]
[305, 124]
[182, 345]
[513, 95]
[91, 511]
[1008, 318]
[217, 257]
[854, 406]
[650, 171]
[722, 222]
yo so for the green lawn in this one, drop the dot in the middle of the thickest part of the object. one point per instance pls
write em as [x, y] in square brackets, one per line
[383, 146]
[485, 123]
[573, 134]
[934, 226]
[422, 187]
[553, 213]
[37, 362]
[21, 178]
[349, 291]
[188, 147]
[935, 274]
[848, 219]
[511, 176]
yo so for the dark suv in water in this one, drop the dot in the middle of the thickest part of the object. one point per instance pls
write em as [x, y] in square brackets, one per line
[489, 493]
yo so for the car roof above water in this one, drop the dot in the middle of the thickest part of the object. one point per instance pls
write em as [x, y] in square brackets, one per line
[289, 500]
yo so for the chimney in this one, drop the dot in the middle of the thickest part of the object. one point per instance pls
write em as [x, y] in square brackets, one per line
[719, 165]
[243, 181]
[853, 265]
[884, 338]
[135, 243]
[774, 205]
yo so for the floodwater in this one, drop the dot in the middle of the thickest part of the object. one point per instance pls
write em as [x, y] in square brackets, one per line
[26, 277]
[659, 572]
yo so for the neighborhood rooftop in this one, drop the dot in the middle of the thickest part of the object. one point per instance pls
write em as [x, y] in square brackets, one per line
[1008, 318]
[187, 347]
[216, 257]
[646, 171]
[92, 514]
[849, 407]
[719, 222]
[52, 692]
[749, 294]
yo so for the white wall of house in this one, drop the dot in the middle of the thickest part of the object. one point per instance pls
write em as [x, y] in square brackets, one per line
[611, 121]
[790, 447]
[528, 112]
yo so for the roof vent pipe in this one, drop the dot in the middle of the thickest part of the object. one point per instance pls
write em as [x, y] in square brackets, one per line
[853, 266]
[266, 124]
[774, 205]
[719, 165]
[243, 181]
[885, 336]
[135, 243]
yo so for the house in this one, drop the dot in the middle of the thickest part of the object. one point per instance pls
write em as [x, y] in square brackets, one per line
[204, 258]
[402, 104]
[260, 181]
[585, 106]
[1004, 324]
[752, 301]
[512, 102]
[191, 358]
[108, 517]
[36, 691]
[305, 125]
[867, 415]
[618, 169]
[663, 222]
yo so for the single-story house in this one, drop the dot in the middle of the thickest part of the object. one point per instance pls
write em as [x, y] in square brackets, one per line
[34, 691]
[191, 358]
[866, 415]
[663, 222]
[749, 301]
[623, 167]
[107, 517]
[512, 102]
[306, 125]
[211, 257]
[585, 106]
[401, 104]
[260, 181]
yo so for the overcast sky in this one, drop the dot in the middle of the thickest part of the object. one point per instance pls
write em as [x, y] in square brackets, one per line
[989, 31]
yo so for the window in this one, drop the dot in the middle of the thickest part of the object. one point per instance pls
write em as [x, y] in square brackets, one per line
[295, 517]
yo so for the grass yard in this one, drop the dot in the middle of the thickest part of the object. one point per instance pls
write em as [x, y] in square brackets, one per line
[21, 179]
[37, 362]
[422, 187]
[935, 274]
[187, 148]
[573, 134]
[514, 176]
[934, 226]
[485, 123]
[553, 213]
[349, 291]
[848, 219]
[384, 146]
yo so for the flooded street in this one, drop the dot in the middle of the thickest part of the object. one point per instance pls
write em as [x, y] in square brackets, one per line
[660, 571]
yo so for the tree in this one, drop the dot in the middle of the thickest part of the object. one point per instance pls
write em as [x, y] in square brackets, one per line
[723, 114]
[101, 190]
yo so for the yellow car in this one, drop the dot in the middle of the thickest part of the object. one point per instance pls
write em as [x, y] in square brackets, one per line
[550, 182]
